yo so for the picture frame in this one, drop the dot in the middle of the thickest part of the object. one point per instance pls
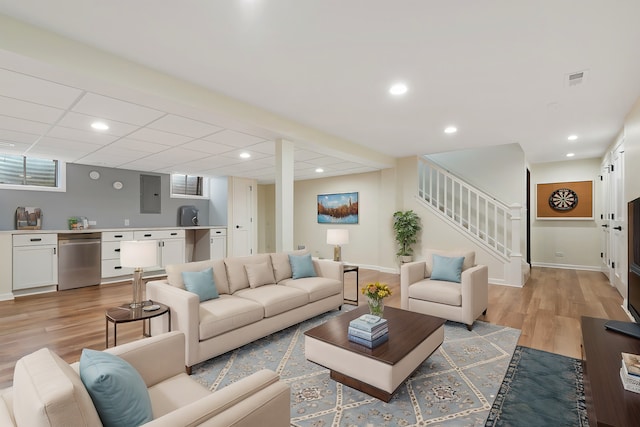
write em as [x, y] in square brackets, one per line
[338, 208]
[28, 218]
[564, 201]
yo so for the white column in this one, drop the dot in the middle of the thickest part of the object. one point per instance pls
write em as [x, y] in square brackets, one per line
[284, 195]
[515, 266]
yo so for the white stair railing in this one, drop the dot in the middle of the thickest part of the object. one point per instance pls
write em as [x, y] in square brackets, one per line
[483, 218]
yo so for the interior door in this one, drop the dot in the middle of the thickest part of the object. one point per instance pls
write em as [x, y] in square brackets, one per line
[617, 231]
[603, 216]
[241, 218]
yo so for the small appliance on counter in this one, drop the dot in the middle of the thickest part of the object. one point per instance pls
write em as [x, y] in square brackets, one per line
[187, 216]
[78, 223]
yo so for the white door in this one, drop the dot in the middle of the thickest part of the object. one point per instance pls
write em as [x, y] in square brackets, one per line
[617, 231]
[603, 215]
[34, 266]
[241, 218]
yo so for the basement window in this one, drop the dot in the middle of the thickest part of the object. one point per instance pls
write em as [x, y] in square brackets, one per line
[30, 173]
[188, 186]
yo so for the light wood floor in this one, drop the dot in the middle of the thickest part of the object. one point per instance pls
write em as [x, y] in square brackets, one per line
[547, 310]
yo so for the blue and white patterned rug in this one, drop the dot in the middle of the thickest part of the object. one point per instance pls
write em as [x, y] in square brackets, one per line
[456, 386]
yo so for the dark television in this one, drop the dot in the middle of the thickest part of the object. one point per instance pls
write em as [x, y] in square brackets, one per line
[633, 280]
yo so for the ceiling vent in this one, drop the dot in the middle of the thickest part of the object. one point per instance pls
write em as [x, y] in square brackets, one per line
[576, 79]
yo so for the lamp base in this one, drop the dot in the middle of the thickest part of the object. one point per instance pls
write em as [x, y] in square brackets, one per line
[337, 253]
[137, 301]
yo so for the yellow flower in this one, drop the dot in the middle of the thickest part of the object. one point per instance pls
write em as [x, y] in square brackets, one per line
[376, 290]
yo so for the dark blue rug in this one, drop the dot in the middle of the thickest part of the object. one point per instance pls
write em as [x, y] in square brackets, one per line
[540, 389]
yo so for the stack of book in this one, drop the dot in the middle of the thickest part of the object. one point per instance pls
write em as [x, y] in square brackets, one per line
[369, 331]
[630, 372]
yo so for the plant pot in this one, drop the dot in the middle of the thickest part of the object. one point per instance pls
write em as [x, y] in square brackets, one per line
[406, 258]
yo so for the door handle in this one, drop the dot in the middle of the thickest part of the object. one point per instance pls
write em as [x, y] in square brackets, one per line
[619, 228]
[605, 225]
[237, 226]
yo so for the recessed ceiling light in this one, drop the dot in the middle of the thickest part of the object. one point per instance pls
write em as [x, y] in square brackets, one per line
[319, 170]
[398, 89]
[570, 154]
[451, 129]
[245, 155]
[99, 125]
[572, 137]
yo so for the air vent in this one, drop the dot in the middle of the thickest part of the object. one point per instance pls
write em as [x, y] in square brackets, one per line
[576, 79]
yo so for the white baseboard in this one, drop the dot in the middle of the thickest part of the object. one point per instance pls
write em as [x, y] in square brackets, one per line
[566, 266]
[7, 297]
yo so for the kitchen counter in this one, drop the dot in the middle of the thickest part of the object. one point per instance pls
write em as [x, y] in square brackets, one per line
[101, 230]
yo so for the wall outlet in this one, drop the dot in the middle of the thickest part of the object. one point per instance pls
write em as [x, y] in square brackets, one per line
[560, 254]
[93, 222]
[126, 222]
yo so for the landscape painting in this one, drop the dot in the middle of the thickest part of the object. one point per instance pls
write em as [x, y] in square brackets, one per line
[339, 208]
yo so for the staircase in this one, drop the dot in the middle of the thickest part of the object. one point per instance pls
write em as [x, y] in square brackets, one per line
[487, 221]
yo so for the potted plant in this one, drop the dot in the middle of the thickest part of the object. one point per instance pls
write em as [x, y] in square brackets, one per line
[406, 225]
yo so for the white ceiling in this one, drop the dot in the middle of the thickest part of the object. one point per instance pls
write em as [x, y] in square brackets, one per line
[495, 69]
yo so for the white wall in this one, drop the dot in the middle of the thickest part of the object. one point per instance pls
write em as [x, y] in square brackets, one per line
[498, 171]
[565, 243]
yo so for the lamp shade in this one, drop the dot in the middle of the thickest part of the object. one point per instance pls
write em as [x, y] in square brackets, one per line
[139, 253]
[337, 236]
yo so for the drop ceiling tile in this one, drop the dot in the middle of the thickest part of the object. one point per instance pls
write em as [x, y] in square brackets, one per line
[208, 146]
[66, 144]
[147, 147]
[146, 165]
[159, 137]
[305, 155]
[83, 122]
[116, 109]
[184, 126]
[11, 136]
[235, 154]
[324, 161]
[204, 164]
[234, 138]
[175, 156]
[266, 147]
[92, 137]
[32, 89]
[344, 166]
[13, 147]
[28, 110]
[21, 125]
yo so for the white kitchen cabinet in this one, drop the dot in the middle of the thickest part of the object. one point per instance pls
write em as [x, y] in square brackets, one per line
[111, 253]
[171, 246]
[35, 260]
[218, 239]
[210, 244]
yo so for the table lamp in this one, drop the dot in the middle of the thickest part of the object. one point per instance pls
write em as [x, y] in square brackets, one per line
[337, 237]
[138, 254]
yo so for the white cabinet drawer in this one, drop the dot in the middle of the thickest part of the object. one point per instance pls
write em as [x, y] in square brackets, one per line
[110, 250]
[218, 232]
[112, 268]
[158, 234]
[35, 239]
[113, 236]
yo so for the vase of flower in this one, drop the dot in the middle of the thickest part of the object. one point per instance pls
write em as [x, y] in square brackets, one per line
[376, 306]
[376, 293]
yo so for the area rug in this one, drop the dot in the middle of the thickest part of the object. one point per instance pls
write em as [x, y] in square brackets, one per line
[540, 389]
[456, 386]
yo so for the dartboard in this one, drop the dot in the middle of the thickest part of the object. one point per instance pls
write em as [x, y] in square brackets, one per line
[563, 199]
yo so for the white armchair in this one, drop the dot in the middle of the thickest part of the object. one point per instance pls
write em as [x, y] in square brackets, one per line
[48, 392]
[459, 302]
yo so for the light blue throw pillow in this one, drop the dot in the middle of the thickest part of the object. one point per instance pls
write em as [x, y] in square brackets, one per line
[117, 390]
[200, 283]
[447, 269]
[301, 266]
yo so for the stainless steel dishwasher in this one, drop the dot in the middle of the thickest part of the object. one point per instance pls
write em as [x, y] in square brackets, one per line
[78, 260]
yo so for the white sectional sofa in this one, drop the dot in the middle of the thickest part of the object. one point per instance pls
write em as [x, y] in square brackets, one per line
[244, 312]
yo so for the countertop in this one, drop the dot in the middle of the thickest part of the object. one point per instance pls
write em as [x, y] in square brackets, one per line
[100, 230]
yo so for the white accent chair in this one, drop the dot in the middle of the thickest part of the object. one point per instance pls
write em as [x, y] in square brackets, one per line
[49, 392]
[459, 302]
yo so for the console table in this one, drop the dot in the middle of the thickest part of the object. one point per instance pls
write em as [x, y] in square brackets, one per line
[608, 403]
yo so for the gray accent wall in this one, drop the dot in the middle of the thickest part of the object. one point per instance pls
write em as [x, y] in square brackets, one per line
[99, 201]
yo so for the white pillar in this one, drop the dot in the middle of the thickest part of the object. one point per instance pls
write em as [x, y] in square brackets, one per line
[284, 195]
[515, 266]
